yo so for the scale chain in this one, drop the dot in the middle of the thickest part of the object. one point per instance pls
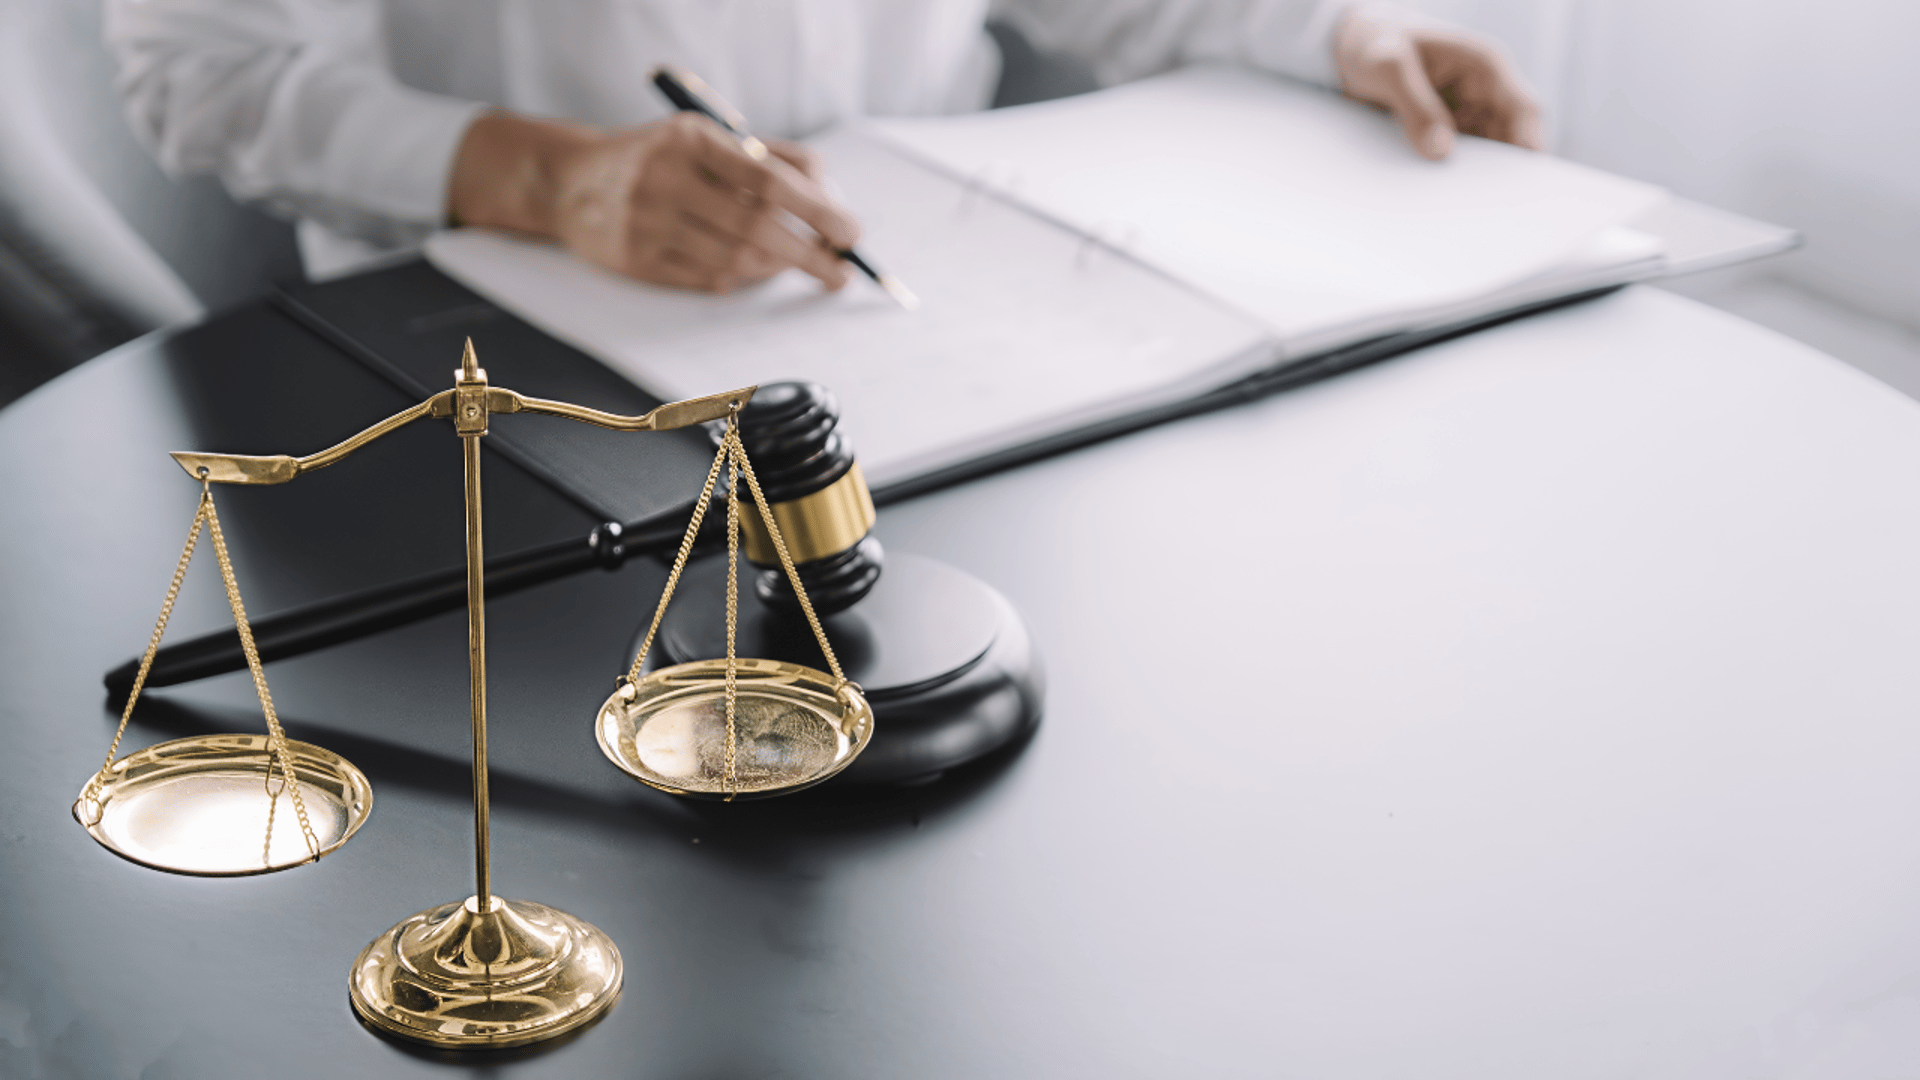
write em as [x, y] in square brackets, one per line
[206, 515]
[679, 564]
[733, 455]
[153, 643]
[786, 559]
[276, 738]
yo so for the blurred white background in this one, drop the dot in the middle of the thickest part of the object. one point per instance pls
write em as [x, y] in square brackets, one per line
[1800, 112]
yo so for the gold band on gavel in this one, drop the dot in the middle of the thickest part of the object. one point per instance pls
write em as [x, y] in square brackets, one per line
[827, 522]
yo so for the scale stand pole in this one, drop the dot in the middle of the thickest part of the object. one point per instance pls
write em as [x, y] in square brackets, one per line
[484, 972]
[470, 423]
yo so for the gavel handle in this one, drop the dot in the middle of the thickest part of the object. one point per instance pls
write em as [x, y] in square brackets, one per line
[356, 615]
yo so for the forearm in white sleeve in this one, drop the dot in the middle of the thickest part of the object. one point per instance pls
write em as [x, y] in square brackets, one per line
[1129, 39]
[292, 104]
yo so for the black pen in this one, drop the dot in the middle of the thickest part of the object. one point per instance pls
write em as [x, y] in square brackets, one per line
[689, 94]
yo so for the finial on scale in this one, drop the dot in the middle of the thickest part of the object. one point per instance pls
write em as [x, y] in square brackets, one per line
[470, 370]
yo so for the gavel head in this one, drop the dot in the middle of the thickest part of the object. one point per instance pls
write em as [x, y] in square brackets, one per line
[818, 497]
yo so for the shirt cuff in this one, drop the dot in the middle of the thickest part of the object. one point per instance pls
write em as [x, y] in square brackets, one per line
[1296, 39]
[391, 154]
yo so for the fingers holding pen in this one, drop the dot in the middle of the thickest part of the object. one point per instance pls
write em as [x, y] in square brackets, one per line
[677, 203]
[694, 256]
[705, 214]
[788, 178]
[766, 205]
[802, 157]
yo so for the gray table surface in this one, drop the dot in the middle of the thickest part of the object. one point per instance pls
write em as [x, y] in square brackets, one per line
[1538, 704]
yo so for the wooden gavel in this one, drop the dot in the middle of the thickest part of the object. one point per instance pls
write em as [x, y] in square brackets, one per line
[818, 496]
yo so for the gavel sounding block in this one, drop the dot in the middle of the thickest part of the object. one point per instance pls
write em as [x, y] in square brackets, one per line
[946, 661]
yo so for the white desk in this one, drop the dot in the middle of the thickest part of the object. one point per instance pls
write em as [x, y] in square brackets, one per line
[1568, 724]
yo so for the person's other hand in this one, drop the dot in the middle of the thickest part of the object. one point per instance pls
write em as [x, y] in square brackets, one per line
[1434, 81]
[676, 203]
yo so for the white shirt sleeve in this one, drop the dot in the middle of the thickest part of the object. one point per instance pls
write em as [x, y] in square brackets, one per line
[296, 105]
[1131, 39]
[293, 104]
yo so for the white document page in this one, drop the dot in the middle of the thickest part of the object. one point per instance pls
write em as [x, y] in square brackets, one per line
[1613, 256]
[1025, 329]
[1698, 237]
[1306, 210]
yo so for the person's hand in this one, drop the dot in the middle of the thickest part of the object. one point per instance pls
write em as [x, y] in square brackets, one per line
[676, 203]
[1434, 81]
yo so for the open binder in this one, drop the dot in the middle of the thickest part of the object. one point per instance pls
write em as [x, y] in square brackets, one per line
[1096, 263]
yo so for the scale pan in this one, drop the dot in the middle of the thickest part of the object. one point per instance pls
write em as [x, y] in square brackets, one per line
[793, 728]
[199, 806]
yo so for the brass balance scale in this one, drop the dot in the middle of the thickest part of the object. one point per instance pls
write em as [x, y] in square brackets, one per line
[486, 971]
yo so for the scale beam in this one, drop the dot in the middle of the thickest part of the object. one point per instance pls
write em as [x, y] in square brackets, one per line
[280, 468]
[675, 414]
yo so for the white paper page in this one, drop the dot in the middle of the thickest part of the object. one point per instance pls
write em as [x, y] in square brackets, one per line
[1699, 237]
[1024, 329]
[1304, 209]
[1614, 256]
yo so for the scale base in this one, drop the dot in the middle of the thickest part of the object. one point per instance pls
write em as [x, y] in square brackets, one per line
[458, 978]
[945, 661]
